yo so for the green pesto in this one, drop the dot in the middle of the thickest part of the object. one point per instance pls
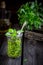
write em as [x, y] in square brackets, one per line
[14, 48]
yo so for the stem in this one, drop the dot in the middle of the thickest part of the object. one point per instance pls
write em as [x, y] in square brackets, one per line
[25, 23]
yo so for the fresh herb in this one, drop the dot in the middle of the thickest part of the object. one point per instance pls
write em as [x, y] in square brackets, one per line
[32, 14]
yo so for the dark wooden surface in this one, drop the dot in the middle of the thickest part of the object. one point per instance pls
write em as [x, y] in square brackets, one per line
[34, 36]
[9, 61]
[33, 52]
[33, 48]
[29, 53]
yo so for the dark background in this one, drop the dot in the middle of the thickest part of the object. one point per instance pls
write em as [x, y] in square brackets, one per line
[13, 6]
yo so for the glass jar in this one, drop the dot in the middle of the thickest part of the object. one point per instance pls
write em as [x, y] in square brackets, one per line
[14, 47]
